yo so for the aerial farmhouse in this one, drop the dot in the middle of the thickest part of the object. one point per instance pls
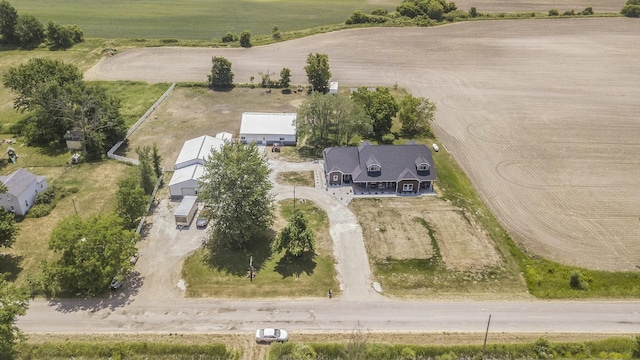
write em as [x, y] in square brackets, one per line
[268, 128]
[22, 188]
[400, 169]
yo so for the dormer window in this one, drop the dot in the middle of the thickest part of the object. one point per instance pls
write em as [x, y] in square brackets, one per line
[423, 167]
[374, 168]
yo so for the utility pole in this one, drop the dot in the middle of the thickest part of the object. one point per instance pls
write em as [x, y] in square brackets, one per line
[485, 336]
[252, 270]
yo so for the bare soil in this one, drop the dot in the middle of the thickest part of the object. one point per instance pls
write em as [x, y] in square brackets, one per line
[390, 230]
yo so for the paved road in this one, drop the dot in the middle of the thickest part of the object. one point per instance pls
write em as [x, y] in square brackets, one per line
[152, 303]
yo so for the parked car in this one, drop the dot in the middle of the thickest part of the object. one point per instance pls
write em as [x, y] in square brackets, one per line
[202, 222]
[269, 335]
[116, 282]
[435, 147]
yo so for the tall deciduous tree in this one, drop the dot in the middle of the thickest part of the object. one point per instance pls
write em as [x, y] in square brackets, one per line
[131, 201]
[8, 229]
[416, 115]
[8, 22]
[318, 72]
[297, 237]
[235, 186]
[245, 38]
[58, 37]
[331, 120]
[221, 75]
[156, 158]
[380, 106]
[29, 32]
[147, 180]
[91, 251]
[14, 302]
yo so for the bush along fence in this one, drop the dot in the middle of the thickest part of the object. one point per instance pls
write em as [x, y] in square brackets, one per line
[111, 153]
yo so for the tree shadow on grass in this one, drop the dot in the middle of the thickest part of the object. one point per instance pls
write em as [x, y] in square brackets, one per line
[290, 265]
[309, 152]
[110, 299]
[235, 261]
[10, 266]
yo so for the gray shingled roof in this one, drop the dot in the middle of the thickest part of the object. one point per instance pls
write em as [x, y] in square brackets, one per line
[18, 181]
[397, 162]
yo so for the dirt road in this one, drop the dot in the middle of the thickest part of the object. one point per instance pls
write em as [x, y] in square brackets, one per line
[541, 115]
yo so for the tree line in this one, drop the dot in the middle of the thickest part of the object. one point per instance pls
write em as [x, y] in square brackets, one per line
[26, 32]
[336, 119]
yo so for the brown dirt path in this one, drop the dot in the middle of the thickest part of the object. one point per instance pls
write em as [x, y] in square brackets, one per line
[541, 115]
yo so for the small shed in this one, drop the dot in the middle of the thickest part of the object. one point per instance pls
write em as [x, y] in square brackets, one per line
[186, 211]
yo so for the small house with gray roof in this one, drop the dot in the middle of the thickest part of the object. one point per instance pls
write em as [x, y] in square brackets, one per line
[402, 169]
[22, 188]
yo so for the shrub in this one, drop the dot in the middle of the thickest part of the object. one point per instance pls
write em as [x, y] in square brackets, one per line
[40, 210]
[635, 353]
[230, 37]
[631, 11]
[379, 12]
[554, 12]
[245, 38]
[387, 138]
[407, 354]
[542, 349]
[357, 17]
[275, 33]
[587, 11]
[569, 13]
[578, 282]
[46, 197]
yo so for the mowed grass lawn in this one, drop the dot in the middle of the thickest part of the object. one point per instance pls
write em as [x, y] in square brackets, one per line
[193, 19]
[277, 275]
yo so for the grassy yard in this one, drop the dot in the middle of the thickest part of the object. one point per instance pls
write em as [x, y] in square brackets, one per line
[298, 178]
[193, 19]
[277, 274]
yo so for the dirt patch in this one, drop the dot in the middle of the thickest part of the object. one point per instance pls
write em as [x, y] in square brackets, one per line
[391, 231]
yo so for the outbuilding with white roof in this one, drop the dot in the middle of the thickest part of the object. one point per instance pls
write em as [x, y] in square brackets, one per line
[268, 128]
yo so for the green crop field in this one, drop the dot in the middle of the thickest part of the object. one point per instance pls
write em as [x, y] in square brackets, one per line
[192, 19]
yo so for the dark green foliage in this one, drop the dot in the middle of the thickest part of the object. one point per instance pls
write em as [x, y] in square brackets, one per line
[229, 37]
[318, 72]
[380, 106]
[409, 9]
[542, 349]
[554, 12]
[379, 12]
[8, 22]
[8, 229]
[388, 138]
[416, 115]
[285, 78]
[635, 352]
[47, 196]
[40, 210]
[14, 302]
[358, 17]
[235, 187]
[77, 35]
[156, 159]
[331, 120]
[275, 33]
[92, 252]
[291, 351]
[631, 8]
[29, 32]
[59, 37]
[569, 13]
[221, 76]
[473, 12]
[147, 173]
[296, 237]
[245, 38]
[131, 202]
[578, 282]
[587, 11]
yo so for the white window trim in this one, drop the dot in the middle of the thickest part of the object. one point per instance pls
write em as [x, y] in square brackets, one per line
[407, 187]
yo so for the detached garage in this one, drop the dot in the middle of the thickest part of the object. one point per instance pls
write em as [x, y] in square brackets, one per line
[268, 128]
[184, 181]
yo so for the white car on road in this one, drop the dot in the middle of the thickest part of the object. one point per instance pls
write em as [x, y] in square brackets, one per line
[269, 335]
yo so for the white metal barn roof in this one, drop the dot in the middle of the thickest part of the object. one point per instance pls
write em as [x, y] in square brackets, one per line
[198, 148]
[193, 172]
[268, 123]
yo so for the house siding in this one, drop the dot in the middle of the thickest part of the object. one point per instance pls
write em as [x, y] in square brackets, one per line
[23, 202]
